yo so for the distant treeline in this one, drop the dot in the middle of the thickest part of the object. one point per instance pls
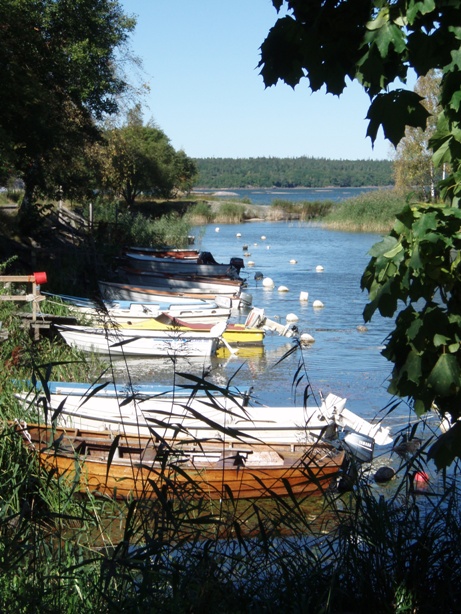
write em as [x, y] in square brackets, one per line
[292, 172]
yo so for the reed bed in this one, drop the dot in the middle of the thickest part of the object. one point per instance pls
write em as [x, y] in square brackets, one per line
[304, 211]
[222, 212]
[394, 549]
[373, 211]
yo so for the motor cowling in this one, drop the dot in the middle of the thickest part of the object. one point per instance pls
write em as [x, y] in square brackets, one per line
[237, 263]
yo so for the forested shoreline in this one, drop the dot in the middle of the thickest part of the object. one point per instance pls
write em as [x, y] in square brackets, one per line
[292, 172]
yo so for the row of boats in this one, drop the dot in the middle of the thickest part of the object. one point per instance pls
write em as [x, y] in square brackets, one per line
[197, 439]
[180, 315]
[209, 442]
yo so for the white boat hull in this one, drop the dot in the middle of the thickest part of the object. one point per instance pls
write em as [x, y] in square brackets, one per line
[217, 417]
[116, 291]
[142, 312]
[182, 284]
[139, 342]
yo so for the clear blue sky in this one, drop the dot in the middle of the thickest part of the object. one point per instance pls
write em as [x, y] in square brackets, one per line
[200, 60]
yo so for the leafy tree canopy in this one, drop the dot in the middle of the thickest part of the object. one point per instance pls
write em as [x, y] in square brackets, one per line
[376, 42]
[58, 74]
[416, 269]
[140, 159]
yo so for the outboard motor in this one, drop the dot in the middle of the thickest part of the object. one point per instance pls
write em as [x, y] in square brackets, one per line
[232, 273]
[361, 447]
[237, 263]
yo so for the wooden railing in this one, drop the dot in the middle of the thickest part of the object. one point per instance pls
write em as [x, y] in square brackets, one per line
[36, 279]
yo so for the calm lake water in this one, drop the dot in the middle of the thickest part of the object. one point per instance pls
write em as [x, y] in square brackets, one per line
[342, 360]
[264, 196]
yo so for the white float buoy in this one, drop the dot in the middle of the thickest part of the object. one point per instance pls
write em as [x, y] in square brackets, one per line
[239, 234]
[361, 328]
[263, 238]
[268, 282]
[305, 338]
[293, 261]
[250, 263]
[292, 317]
[304, 296]
[217, 229]
[283, 289]
[255, 244]
[319, 268]
[317, 304]
[247, 254]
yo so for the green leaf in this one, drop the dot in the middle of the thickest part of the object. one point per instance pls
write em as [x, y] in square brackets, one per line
[394, 251]
[440, 340]
[380, 20]
[419, 7]
[445, 376]
[395, 111]
[412, 367]
[386, 245]
[447, 447]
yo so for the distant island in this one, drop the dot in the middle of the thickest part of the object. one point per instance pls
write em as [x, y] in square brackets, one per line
[300, 172]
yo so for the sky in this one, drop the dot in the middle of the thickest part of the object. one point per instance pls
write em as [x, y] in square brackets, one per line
[199, 59]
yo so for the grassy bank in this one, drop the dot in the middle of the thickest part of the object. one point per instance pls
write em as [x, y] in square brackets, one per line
[370, 212]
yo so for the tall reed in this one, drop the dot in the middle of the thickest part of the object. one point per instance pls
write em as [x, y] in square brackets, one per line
[372, 211]
[390, 549]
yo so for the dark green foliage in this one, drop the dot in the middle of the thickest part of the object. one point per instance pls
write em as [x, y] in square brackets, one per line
[416, 269]
[58, 73]
[292, 172]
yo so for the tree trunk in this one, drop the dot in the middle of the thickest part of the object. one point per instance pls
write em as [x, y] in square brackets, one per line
[30, 185]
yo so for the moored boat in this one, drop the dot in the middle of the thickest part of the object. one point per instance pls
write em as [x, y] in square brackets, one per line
[235, 334]
[166, 252]
[204, 264]
[195, 411]
[131, 312]
[135, 342]
[139, 467]
[182, 283]
[142, 293]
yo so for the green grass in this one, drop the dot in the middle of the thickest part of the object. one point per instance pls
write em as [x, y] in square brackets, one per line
[304, 211]
[370, 212]
[230, 213]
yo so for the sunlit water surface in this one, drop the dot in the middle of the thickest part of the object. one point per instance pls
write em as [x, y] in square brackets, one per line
[343, 359]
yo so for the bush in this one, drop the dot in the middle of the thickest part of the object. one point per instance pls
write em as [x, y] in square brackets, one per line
[230, 213]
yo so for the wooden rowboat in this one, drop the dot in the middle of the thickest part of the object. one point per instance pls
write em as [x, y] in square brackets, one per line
[141, 468]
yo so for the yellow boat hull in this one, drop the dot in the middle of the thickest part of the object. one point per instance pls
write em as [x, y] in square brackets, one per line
[235, 334]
